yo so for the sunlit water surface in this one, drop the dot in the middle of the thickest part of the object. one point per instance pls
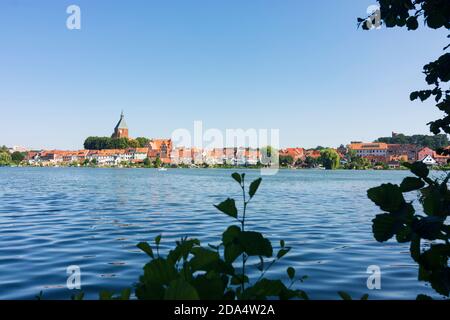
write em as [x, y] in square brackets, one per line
[51, 218]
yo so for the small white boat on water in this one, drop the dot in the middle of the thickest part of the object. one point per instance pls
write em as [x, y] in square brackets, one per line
[162, 169]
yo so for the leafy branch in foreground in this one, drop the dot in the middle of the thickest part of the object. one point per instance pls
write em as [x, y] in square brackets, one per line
[400, 219]
[191, 271]
[425, 230]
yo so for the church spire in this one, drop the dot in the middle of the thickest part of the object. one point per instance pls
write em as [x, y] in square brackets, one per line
[121, 129]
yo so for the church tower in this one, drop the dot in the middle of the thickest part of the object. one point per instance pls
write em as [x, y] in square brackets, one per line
[121, 129]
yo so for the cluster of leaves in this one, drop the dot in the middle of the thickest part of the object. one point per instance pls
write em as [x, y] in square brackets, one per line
[437, 72]
[192, 271]
[427, 229]
[400, 218]
[401, 13]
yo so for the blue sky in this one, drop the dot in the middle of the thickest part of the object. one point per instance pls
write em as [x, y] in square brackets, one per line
[299, 66]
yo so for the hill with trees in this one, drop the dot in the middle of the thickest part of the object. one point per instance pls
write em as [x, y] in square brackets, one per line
[434, 142]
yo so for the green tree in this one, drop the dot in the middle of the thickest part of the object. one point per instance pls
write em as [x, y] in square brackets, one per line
[5, 159]
[311, 162]
[434, 142]
[132, 143]
[330, 159]
[158, 162]
[286, 160]
[100, 143]
[147, 162]
[142, 141]
[17, 157]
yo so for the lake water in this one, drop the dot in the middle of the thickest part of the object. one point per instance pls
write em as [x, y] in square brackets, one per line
[51, 218]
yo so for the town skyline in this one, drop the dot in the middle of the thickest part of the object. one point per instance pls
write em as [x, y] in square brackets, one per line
[129, 135]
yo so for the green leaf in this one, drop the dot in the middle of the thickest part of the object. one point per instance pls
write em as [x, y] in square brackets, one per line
[432, 203]
[179, 289]
[404, 234]
[210, 286]
[429, 227]
[236, 176]
[158, 240]
[232, 248]
[159, 271]
[387, 196]
[344, 295]
[282, 252]
[291, 273]
[266, 288]
[144, 246]
[255, 244]
[231, 234]
[182, 250]
[254, 187]
[232, 252]
[365, 297]
[412, 23]
[384, 227]
[282, 243]
[414, 95]
[411, 184]
[302, 295]
[203, 258]
[228, 207]
[436, 257]
[420, 169]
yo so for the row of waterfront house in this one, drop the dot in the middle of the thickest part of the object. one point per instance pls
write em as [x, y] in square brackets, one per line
[390, 154]
[163, 149]
[167, 155]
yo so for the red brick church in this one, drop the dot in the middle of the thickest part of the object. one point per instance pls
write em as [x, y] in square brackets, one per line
[121, 129]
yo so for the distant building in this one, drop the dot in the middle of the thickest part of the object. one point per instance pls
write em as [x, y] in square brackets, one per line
[312, 153]
[375, 152]
[424, 152]
[295, 153]
[429, 160]
[408, 151]
[121, 129]
[160, 148]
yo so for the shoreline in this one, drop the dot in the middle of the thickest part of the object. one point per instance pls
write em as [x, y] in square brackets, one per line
[217, 168]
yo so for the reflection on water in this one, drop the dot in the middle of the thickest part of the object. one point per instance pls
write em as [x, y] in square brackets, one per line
[51, 218]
